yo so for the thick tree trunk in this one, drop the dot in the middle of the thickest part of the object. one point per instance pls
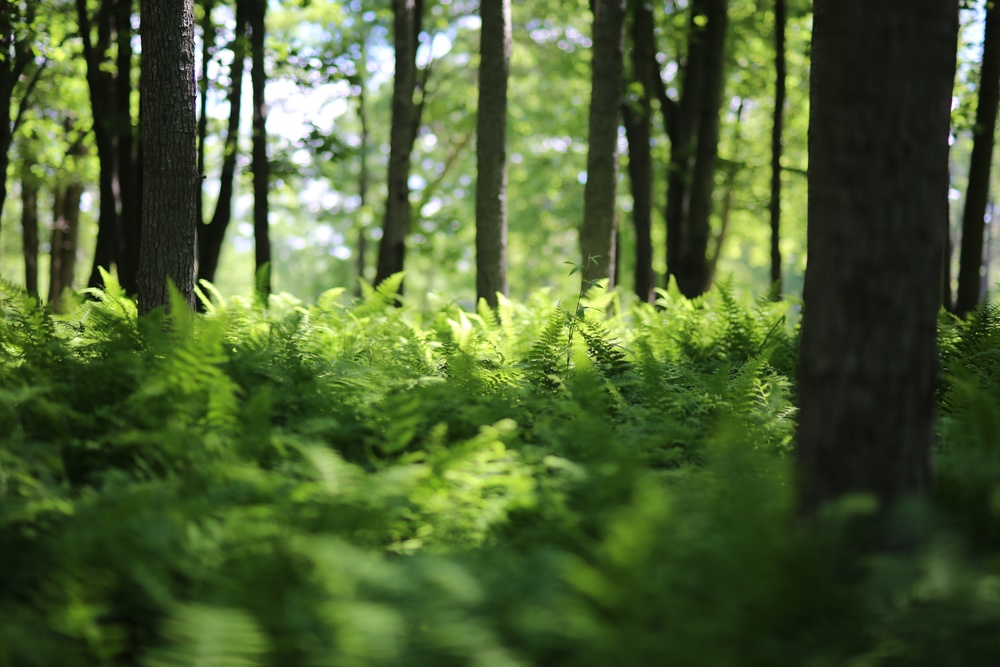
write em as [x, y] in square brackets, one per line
[170, 153]
[260, 166]
[491, 152]
[598, 233]
[970, 265]
[878, 191]
[637, 116]
[29, 225]
[396, 226]
[693, 127]
[16, 46]
[211, 235]
[777, 125]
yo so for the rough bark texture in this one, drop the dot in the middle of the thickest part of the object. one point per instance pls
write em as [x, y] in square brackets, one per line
[211, 235]
[970, 265]
[777, 125]
[491, 152]
[878, 191]
[29, 225]
[260, 166]
[637, 116]
[597, 235]
[396, 226]
[170, 152]
[693, 127]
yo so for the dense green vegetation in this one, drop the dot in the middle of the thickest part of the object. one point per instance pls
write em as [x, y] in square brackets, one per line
[365, 485]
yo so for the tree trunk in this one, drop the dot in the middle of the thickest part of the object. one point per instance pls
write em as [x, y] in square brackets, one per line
[405, 120]
[363, 176]
[878, 190]
[637, 116]
[207, 47]
[211, 235]
[780, 20]
[491, 152]
[970, 264]
[693, 127]
[110, 98]
[170, 153]
[65, 234]
[29, 225]
[260, 167]
[16, 46]
[598, 233]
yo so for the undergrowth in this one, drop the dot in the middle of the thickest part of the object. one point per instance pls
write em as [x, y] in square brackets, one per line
[361, 484]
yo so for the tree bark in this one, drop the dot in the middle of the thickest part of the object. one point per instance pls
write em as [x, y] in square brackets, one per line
[491, 152]
[637, 115]
[777, 127]
[598, 233]
[207, 45]
[402, 133]
[260, 166]
[65, 234]
[970, 264]
[170, 153]
[29, 225]
[212, 234]
[880, 100]
[16, 46]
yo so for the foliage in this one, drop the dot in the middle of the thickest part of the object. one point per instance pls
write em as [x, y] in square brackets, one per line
[365, 485]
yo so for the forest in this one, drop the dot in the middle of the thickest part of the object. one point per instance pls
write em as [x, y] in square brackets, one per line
[502, 333]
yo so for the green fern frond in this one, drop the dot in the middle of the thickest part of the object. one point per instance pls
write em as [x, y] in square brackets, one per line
[207, 636]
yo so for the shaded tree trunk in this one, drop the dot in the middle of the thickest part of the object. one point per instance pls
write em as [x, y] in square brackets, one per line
[491, 152]
[29, 225]
[65, 235]
[970, 263]
[119, 217]
[260, 166]
[170, 153]
[212, 234]
[878, 190]
[16, 38]
[207, 48]
[405, 121]
[598, 233]
[777, 126]
[363, 176]
[637, 115]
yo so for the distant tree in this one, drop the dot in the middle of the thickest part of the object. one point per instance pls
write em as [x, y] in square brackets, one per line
[107, 32]
[491, 151]
[213, 232]
[970, 266]
[880, 98]
[598, 233]
[171, 182]
[260, 166]
[637, 115]
[17, 59]
[777, 128]
[29, 224]
[405, 122]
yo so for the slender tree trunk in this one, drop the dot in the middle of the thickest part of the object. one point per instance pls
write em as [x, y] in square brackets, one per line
[491, 152]
[598, 233]
[363, 176]
[880, 99]
[637, 116]
[405, 120]
[970, 264]
[65, 235]
[129, 164]
[170, 153]
[780, 20]
[29, 225]
[211, 235]
[261, 167]
[727, 196]
[207, 46]
[984, 287]
[16, 42]
[693, 127]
